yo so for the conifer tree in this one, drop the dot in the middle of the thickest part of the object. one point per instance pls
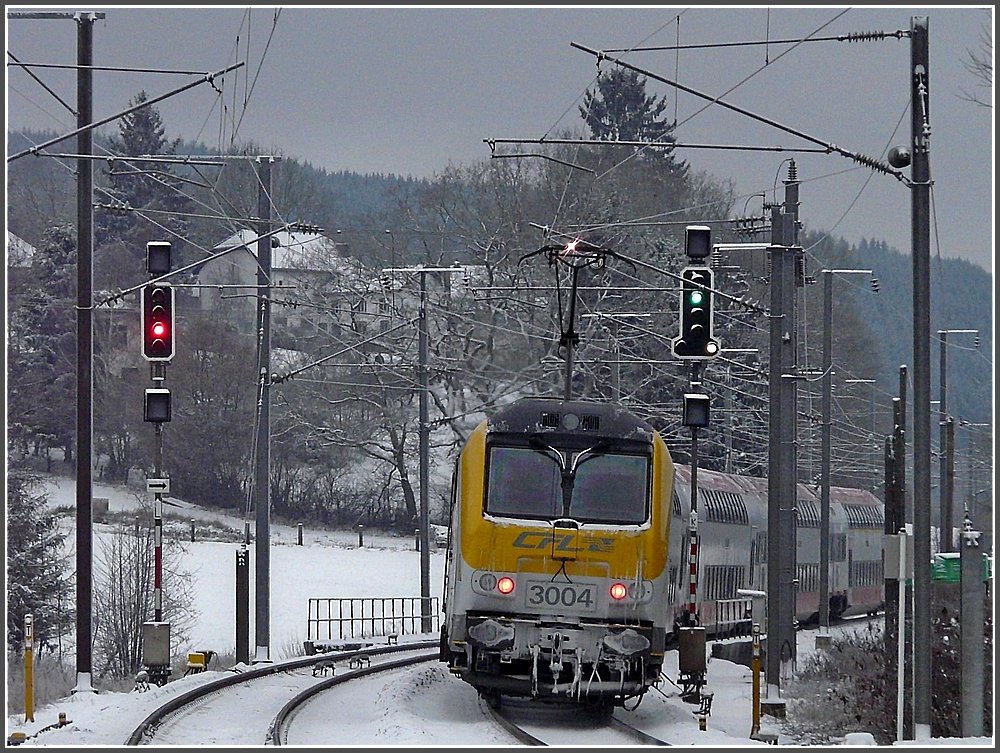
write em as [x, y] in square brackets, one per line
[42, 337]
[621, 110]
[120, 236]
[38, 580]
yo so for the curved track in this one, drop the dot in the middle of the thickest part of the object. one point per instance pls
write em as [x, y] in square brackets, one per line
[532, 723]
[186, 718]
[288, 687]
[278, 734]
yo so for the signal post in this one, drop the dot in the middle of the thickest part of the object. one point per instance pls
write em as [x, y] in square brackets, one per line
[158, 327]
[695, 343]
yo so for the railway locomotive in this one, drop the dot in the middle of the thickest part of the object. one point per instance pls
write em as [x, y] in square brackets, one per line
[567, 573]
[557, 573]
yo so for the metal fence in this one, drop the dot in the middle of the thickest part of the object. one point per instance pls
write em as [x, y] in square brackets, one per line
[733, 617]
[333, 619]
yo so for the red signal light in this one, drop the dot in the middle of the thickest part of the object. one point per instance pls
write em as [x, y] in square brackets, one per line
[157, 322]
[618, 591]
[505, 585]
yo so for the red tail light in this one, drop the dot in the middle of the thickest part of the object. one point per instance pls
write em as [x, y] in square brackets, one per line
[505, 585]
[618, 591]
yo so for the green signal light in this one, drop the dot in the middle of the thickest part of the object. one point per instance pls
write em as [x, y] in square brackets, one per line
[696, 297]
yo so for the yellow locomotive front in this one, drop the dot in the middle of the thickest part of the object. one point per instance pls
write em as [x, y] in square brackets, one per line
[556, 579]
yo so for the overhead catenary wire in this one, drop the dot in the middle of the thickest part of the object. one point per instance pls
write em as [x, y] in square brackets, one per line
[860, 158]
[104, 121]
[855, 36]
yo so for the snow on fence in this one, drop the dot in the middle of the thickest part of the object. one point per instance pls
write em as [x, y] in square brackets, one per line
[369, 617]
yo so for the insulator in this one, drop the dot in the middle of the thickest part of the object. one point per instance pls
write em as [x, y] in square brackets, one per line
[866, 36]
[793, 171]
[873, 163]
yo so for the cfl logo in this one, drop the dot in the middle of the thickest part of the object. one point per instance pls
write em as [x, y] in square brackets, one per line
[563, 542]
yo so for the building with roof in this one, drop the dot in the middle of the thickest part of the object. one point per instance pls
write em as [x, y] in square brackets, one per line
[316, 290]
[20, 259]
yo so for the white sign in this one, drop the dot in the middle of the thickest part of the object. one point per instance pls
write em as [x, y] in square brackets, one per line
[161, 485]
[897, 565]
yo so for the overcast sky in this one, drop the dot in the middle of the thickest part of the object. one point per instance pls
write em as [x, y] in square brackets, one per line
[411, 90]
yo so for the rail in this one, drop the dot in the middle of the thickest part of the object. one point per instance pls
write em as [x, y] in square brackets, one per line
[369, 617]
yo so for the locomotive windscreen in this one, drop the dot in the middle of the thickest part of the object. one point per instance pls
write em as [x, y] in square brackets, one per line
[608, 488]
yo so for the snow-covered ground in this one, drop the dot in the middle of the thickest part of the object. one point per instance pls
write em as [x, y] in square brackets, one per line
[330, 564]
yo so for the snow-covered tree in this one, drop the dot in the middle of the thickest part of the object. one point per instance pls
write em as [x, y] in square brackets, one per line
[120, 236]
[42, 348]
[38, 577]
[619, 109]
[123, 595]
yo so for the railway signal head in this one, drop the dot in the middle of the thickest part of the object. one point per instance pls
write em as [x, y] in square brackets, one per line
[158, 257]
[696, 338]
[696, 409]
[157, 322]
[156, 405]
[698, 241]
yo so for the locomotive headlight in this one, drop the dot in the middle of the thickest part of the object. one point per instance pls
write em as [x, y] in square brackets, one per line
[487, 582]
[570, 421]
[618, 591]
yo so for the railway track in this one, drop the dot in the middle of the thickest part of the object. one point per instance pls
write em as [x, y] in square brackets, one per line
[187, 719]
[278, 734]
[531, 723]
[190, 718]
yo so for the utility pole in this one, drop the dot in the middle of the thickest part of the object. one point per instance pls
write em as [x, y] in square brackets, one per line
[424, 436]
[823, 638]
[971, 639]
[900, 514]
[874, 445]
[84, 347]
[948, 482]
[262, 465]
[944, 527]
[423, 432]
[891, 528]
[946, 444]
[727, 406]
[920, 131]
[786, 277]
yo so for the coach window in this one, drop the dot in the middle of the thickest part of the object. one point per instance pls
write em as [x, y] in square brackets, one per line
[611, 489]
[522, 483]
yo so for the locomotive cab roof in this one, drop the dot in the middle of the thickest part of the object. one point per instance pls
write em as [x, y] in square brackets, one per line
[540, 415]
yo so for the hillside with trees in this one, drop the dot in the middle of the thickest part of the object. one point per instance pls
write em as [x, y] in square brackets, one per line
[497, 333]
